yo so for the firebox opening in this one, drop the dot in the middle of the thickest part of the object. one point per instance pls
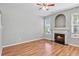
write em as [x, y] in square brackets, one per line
[59, 38]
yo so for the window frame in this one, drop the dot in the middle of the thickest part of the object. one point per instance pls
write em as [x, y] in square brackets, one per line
[74, 35]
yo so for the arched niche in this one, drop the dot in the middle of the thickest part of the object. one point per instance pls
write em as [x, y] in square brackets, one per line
[60, 21]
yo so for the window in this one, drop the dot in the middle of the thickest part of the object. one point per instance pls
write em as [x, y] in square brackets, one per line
[47, 26]
[75, 25]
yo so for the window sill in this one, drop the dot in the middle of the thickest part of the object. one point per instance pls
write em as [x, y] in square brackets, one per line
[75, 37]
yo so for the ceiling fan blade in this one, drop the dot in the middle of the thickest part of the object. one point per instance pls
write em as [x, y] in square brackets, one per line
[38, 4]
[50, 4]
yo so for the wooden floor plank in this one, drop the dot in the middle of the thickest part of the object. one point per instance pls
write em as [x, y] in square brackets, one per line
[41, 47]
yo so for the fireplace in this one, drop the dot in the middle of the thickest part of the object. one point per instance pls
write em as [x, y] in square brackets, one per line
[59, 38]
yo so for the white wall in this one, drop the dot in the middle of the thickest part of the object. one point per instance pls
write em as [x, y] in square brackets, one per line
[20, 23]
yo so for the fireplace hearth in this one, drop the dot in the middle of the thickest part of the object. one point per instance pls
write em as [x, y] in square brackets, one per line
[59, 38]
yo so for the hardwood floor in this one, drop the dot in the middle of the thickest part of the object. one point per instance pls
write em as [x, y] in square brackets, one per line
[41, 47]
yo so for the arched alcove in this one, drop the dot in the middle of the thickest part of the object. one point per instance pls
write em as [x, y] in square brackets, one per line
[60, 21]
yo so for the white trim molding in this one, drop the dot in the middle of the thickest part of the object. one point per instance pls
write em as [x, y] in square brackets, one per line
[74, 45]
[22, 42]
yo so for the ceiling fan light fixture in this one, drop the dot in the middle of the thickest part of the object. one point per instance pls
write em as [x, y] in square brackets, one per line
[45, 6]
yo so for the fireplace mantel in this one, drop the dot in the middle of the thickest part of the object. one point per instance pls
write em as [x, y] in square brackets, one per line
[64, 29]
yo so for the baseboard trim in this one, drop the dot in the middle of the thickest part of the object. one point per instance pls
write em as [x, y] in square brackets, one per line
[21, 42]
[74, 45]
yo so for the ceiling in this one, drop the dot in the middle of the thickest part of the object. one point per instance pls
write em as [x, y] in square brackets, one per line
[57, 8]
[35, 9]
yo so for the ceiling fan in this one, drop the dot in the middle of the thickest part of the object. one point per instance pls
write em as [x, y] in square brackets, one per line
[45, 6]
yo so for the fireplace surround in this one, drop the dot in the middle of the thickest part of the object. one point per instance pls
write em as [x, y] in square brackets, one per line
[61, 31]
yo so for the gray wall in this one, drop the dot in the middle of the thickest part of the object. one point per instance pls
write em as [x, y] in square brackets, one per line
[0, 36]
[68, 14]
[20, 23]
